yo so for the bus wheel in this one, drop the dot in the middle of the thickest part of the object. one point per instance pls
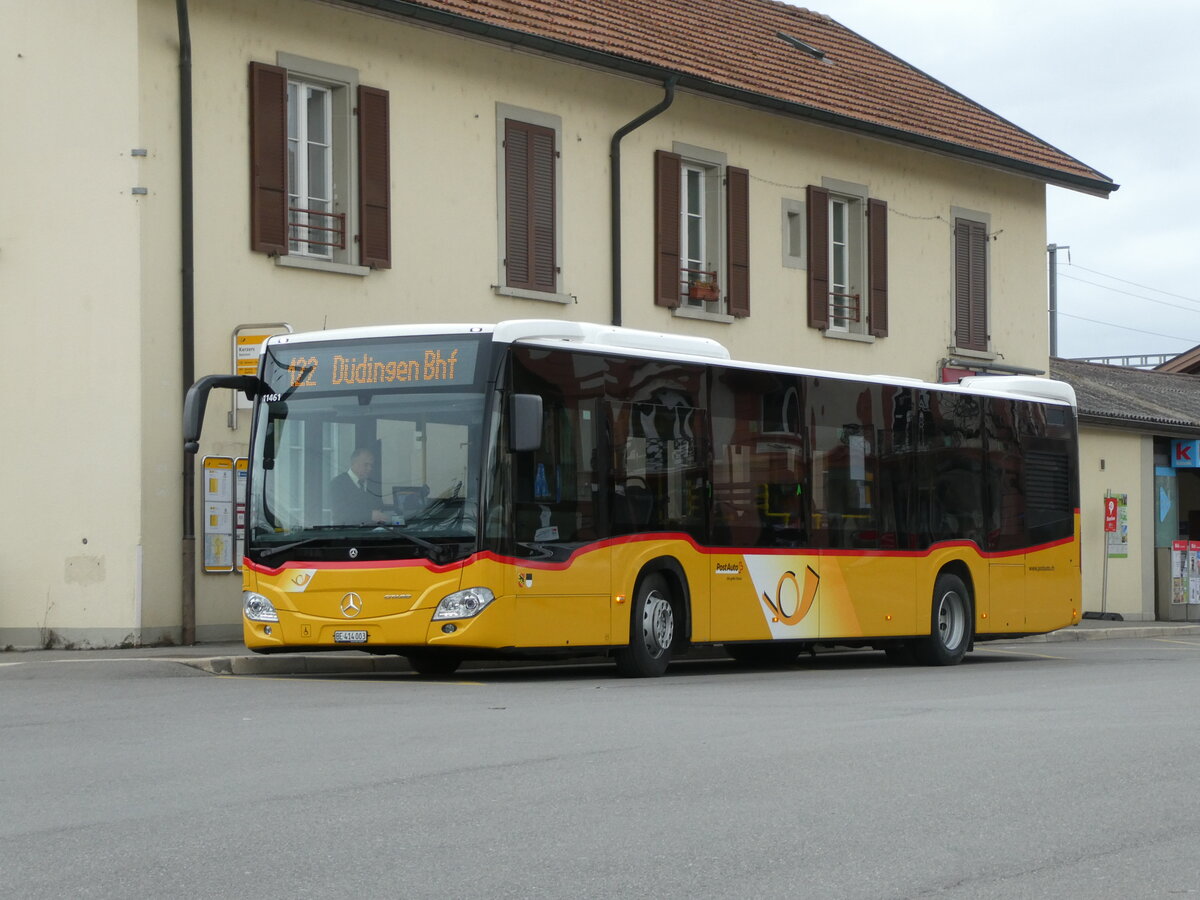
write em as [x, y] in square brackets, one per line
[950, 624]
[651, 631]
[764, 656]
[426, 663]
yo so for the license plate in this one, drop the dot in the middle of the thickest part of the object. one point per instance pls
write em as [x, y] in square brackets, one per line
[349, 637]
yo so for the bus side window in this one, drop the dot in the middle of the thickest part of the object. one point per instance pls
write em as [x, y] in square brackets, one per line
[555, 486]
[759, 497]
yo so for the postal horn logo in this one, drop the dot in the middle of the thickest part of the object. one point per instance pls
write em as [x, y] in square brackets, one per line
[792, 603]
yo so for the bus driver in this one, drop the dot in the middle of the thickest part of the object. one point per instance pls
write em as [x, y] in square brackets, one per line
[351, 498]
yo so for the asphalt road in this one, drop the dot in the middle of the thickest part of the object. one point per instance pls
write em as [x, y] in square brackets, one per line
[1050, 770]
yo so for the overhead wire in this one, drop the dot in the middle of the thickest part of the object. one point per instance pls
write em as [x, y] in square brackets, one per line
[1144, 287]
[1174, 337]
[1105, 287]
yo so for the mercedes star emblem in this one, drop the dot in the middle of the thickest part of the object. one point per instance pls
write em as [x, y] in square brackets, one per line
[351, 605]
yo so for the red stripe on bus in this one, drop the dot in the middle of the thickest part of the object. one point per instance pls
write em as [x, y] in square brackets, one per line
[661, 537]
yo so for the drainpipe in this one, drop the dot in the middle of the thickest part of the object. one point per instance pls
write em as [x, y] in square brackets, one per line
[187, 310]
[615, 157]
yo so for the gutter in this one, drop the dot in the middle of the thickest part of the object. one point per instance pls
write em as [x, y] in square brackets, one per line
[1165, 428]
[615, 187]
[404, 9]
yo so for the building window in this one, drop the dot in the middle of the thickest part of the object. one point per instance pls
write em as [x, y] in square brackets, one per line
[971, 283]
[700, 241]
[847, 260]
[529, 173]
[702, 249]
[846, 310]
[320, 165]
[314, 229]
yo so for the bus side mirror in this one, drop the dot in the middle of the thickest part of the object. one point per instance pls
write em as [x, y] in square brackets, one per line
[524, 423]
[197, 399]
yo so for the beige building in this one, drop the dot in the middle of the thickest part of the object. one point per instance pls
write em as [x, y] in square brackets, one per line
[792, 191]
[1139, 455]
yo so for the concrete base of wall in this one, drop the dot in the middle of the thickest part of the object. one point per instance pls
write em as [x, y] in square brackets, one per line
[108, 638]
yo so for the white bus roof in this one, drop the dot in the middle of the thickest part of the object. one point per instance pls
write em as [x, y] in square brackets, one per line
[606, 338]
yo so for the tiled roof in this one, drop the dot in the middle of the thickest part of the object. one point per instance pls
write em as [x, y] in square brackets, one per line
[1187, 362]
[747, 50]
[1118, 395]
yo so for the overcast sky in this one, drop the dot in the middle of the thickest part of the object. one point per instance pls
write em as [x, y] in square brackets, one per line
[1114, 84]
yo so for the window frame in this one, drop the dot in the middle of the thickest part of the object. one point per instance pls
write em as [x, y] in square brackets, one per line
[300, 146]
[865, 260]
[850, 199]
[713, 165]
[342, 83]
[551, 122]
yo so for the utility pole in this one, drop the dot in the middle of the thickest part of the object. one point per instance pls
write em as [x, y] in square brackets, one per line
[1053, 249]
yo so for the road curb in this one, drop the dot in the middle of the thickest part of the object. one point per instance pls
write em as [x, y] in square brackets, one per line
[1075, 633]
[296, 665]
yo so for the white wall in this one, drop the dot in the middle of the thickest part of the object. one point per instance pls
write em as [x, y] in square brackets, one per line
[1120, 462]
[70, 347]
[94, 338]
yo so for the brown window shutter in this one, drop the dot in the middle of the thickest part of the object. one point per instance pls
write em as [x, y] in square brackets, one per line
[737, 197]
[268, 159]
[817, 204]
[877, 268]
[529, 216]
[374, 179]
[970, 284]
[668, 169]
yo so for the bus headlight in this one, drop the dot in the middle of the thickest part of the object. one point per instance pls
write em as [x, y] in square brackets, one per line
[258, 608]
[463, 604]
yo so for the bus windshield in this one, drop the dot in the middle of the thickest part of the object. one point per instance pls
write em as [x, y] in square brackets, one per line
[388, 469]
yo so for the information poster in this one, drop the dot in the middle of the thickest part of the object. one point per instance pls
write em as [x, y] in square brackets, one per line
[218, 473]
[1116, 512]
[1180, 559]
[1194, 572]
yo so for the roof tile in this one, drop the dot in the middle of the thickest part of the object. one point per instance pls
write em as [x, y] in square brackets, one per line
[1129, 396]
[735, 44]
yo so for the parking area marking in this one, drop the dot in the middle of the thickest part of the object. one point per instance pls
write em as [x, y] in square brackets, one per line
[1019, 653]
[388, 677]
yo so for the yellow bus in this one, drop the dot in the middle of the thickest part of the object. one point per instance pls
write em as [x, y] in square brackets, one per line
[535, 489]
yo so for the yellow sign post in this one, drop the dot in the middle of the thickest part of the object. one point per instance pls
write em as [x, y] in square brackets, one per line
[247, 347]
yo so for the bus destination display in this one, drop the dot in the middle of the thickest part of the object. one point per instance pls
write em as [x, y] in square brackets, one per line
[375, 366]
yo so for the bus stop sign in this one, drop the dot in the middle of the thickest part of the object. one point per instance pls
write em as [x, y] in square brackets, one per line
[1110, 514]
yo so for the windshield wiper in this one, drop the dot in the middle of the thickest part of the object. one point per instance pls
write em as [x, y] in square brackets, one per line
[383, 532]
[280, 549]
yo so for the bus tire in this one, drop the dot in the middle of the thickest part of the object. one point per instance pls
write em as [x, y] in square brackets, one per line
[765, 655]
[652, 625]
[949, 626]
[432, 663]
